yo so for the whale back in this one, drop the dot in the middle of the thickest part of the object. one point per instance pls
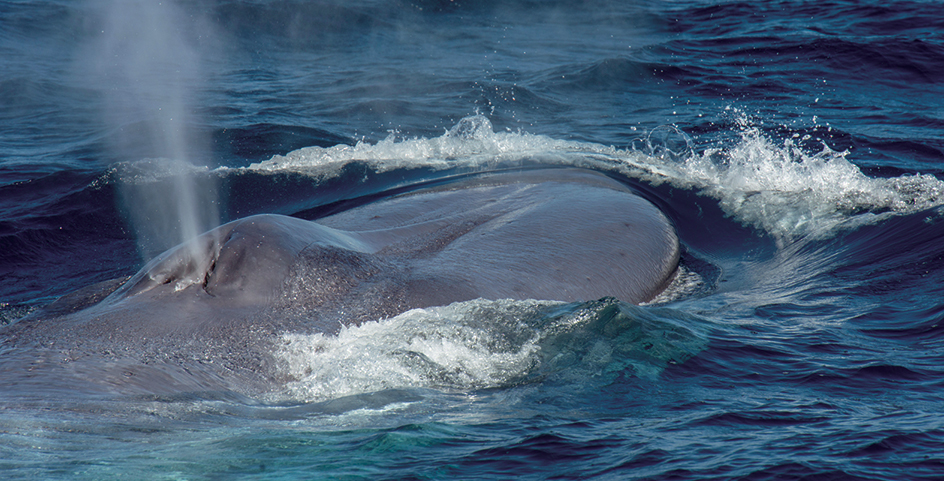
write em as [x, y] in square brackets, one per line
[556, 234]
[205, 314]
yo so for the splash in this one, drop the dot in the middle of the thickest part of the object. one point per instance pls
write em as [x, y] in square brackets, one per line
[145, 67]
[470, 143]
[779, 188]
[468, 345]
[789, 192]
[482, 344]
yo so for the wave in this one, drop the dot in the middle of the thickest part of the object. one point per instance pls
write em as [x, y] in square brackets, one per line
[783, 188]
[780, 188]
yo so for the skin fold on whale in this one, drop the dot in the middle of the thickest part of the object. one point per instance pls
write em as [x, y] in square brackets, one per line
[203, 315]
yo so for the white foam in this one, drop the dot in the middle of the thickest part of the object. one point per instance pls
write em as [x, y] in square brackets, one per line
[788, 192]
[471, 142]
[466, 345]
[483, 344]
[777, 187]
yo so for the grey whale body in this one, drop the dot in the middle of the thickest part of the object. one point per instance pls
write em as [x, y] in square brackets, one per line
[204, 315]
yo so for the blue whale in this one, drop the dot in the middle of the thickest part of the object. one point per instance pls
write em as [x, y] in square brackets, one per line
[204, 315]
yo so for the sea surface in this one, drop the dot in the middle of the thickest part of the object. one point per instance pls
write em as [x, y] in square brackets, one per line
[797, 145]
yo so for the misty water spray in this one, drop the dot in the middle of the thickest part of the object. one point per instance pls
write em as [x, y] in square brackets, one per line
[146, 67]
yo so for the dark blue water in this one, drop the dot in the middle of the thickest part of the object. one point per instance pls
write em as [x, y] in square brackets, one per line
[796, 145]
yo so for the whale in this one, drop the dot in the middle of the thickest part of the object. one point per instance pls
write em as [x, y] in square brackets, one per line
[204, 316]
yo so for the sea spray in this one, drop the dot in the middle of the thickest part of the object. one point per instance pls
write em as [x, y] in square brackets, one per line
[487, 344]
[779, 187]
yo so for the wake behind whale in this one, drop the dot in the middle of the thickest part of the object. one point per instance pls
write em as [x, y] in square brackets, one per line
[208, 315]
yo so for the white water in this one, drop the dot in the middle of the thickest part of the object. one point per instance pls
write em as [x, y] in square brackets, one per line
[467, 345]
[482, 344]
[776, 187]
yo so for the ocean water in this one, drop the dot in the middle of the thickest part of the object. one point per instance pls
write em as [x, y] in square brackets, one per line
[796, 145]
